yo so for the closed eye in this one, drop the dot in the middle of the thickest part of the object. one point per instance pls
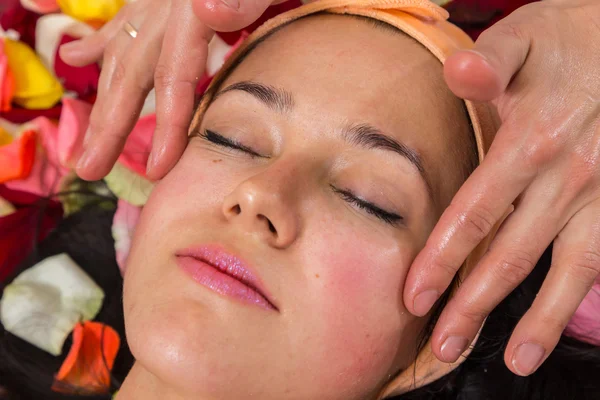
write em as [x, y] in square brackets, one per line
[385, 216]
[222, 141]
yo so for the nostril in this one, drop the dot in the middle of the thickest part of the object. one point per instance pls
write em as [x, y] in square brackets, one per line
[236, 209]
[271, 227]
[269, 223]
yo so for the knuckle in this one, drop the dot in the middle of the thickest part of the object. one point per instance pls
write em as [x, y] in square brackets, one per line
[474, 315]
[545, 145]
[163, 77]
[119, 73]
[585, 266]
[477, 223]
[444, 266]
[514, 267]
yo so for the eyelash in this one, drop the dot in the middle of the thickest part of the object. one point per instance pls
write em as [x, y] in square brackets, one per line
[222, 141]
[385, 216]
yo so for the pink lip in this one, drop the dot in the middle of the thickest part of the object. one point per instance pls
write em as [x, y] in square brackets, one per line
[224, 273]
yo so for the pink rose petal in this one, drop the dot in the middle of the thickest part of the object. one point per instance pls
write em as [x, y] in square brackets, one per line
[74, 120]
[138, 145]
[124, 223]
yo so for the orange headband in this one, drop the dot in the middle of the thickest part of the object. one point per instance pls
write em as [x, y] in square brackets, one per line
[427, 23]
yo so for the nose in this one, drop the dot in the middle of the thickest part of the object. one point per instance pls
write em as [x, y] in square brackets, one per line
[266, 205]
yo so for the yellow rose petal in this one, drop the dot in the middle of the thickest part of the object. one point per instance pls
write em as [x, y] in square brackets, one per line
[91, 10]
[36, 88]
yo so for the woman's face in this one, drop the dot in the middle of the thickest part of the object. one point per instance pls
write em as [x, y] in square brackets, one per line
[320, 169]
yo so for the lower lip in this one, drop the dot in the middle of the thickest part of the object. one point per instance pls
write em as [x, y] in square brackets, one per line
[209, 276]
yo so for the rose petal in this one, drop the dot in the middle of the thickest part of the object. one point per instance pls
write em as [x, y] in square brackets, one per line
[40, 6]
[73, 123]
[585, 323]
[138, 145]
[91, 10]
[43, 304]
[86, 369]
[35, 87]
[47, 174]
[124, 222]
[24, 227]
[128, 186]
[14, 16]
[49, 31]
[17, 158]
[81, 80]
[7, 82]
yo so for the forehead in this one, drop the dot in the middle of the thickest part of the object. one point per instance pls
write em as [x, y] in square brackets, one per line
[345, 69]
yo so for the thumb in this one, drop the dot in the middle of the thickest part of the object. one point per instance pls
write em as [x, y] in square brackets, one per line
[230, 15]
[483, 73]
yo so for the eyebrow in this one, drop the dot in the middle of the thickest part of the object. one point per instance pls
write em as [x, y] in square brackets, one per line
[367, 136]
[277, 99]
[363, 135]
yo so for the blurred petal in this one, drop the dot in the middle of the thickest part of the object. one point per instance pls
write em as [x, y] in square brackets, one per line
[81, 80]
[14, 16]
[124, 223]
[585, 324]
[138, 145]
[35, 86]
[43, 304]
[40, 6]
[17, 158]
[86, 369]
[128, 186]
[47, 174]
[19, 230]
[91, 10]
[7, 81]
[73, 123]
[6, 208]
[49, 31]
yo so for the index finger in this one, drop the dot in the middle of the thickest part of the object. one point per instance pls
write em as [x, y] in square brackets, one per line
[479, 204]
[181, 64]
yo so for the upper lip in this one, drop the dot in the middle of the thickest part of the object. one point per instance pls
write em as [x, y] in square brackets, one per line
[231, 265]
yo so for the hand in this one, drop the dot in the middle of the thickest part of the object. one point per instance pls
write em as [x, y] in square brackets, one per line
[168, 53]
[539, 67]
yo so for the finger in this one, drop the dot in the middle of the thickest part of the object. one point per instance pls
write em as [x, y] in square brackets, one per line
[511, 257]
[229, 15]
[91, 48]
[575, 267]
[131, 81]
[181, 63]
[92, 165]
[483, 73]
[479, 204]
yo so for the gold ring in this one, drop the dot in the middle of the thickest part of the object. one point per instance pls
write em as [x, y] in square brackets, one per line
[131, 31]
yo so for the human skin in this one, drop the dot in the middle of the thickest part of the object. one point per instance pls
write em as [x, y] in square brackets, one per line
[334, 270]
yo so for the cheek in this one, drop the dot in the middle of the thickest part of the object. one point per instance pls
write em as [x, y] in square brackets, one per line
[359, 286]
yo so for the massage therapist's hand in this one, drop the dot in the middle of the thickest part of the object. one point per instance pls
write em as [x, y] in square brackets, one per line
[169, 53]
[540, 68]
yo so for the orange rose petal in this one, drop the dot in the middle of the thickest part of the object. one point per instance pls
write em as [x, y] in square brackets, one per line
[8, 91]
[17, 157]
[86, 370]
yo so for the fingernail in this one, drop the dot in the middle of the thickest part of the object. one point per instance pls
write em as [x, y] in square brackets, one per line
[424, 301]
[527, 358]
[453, 347]
[234, 4]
